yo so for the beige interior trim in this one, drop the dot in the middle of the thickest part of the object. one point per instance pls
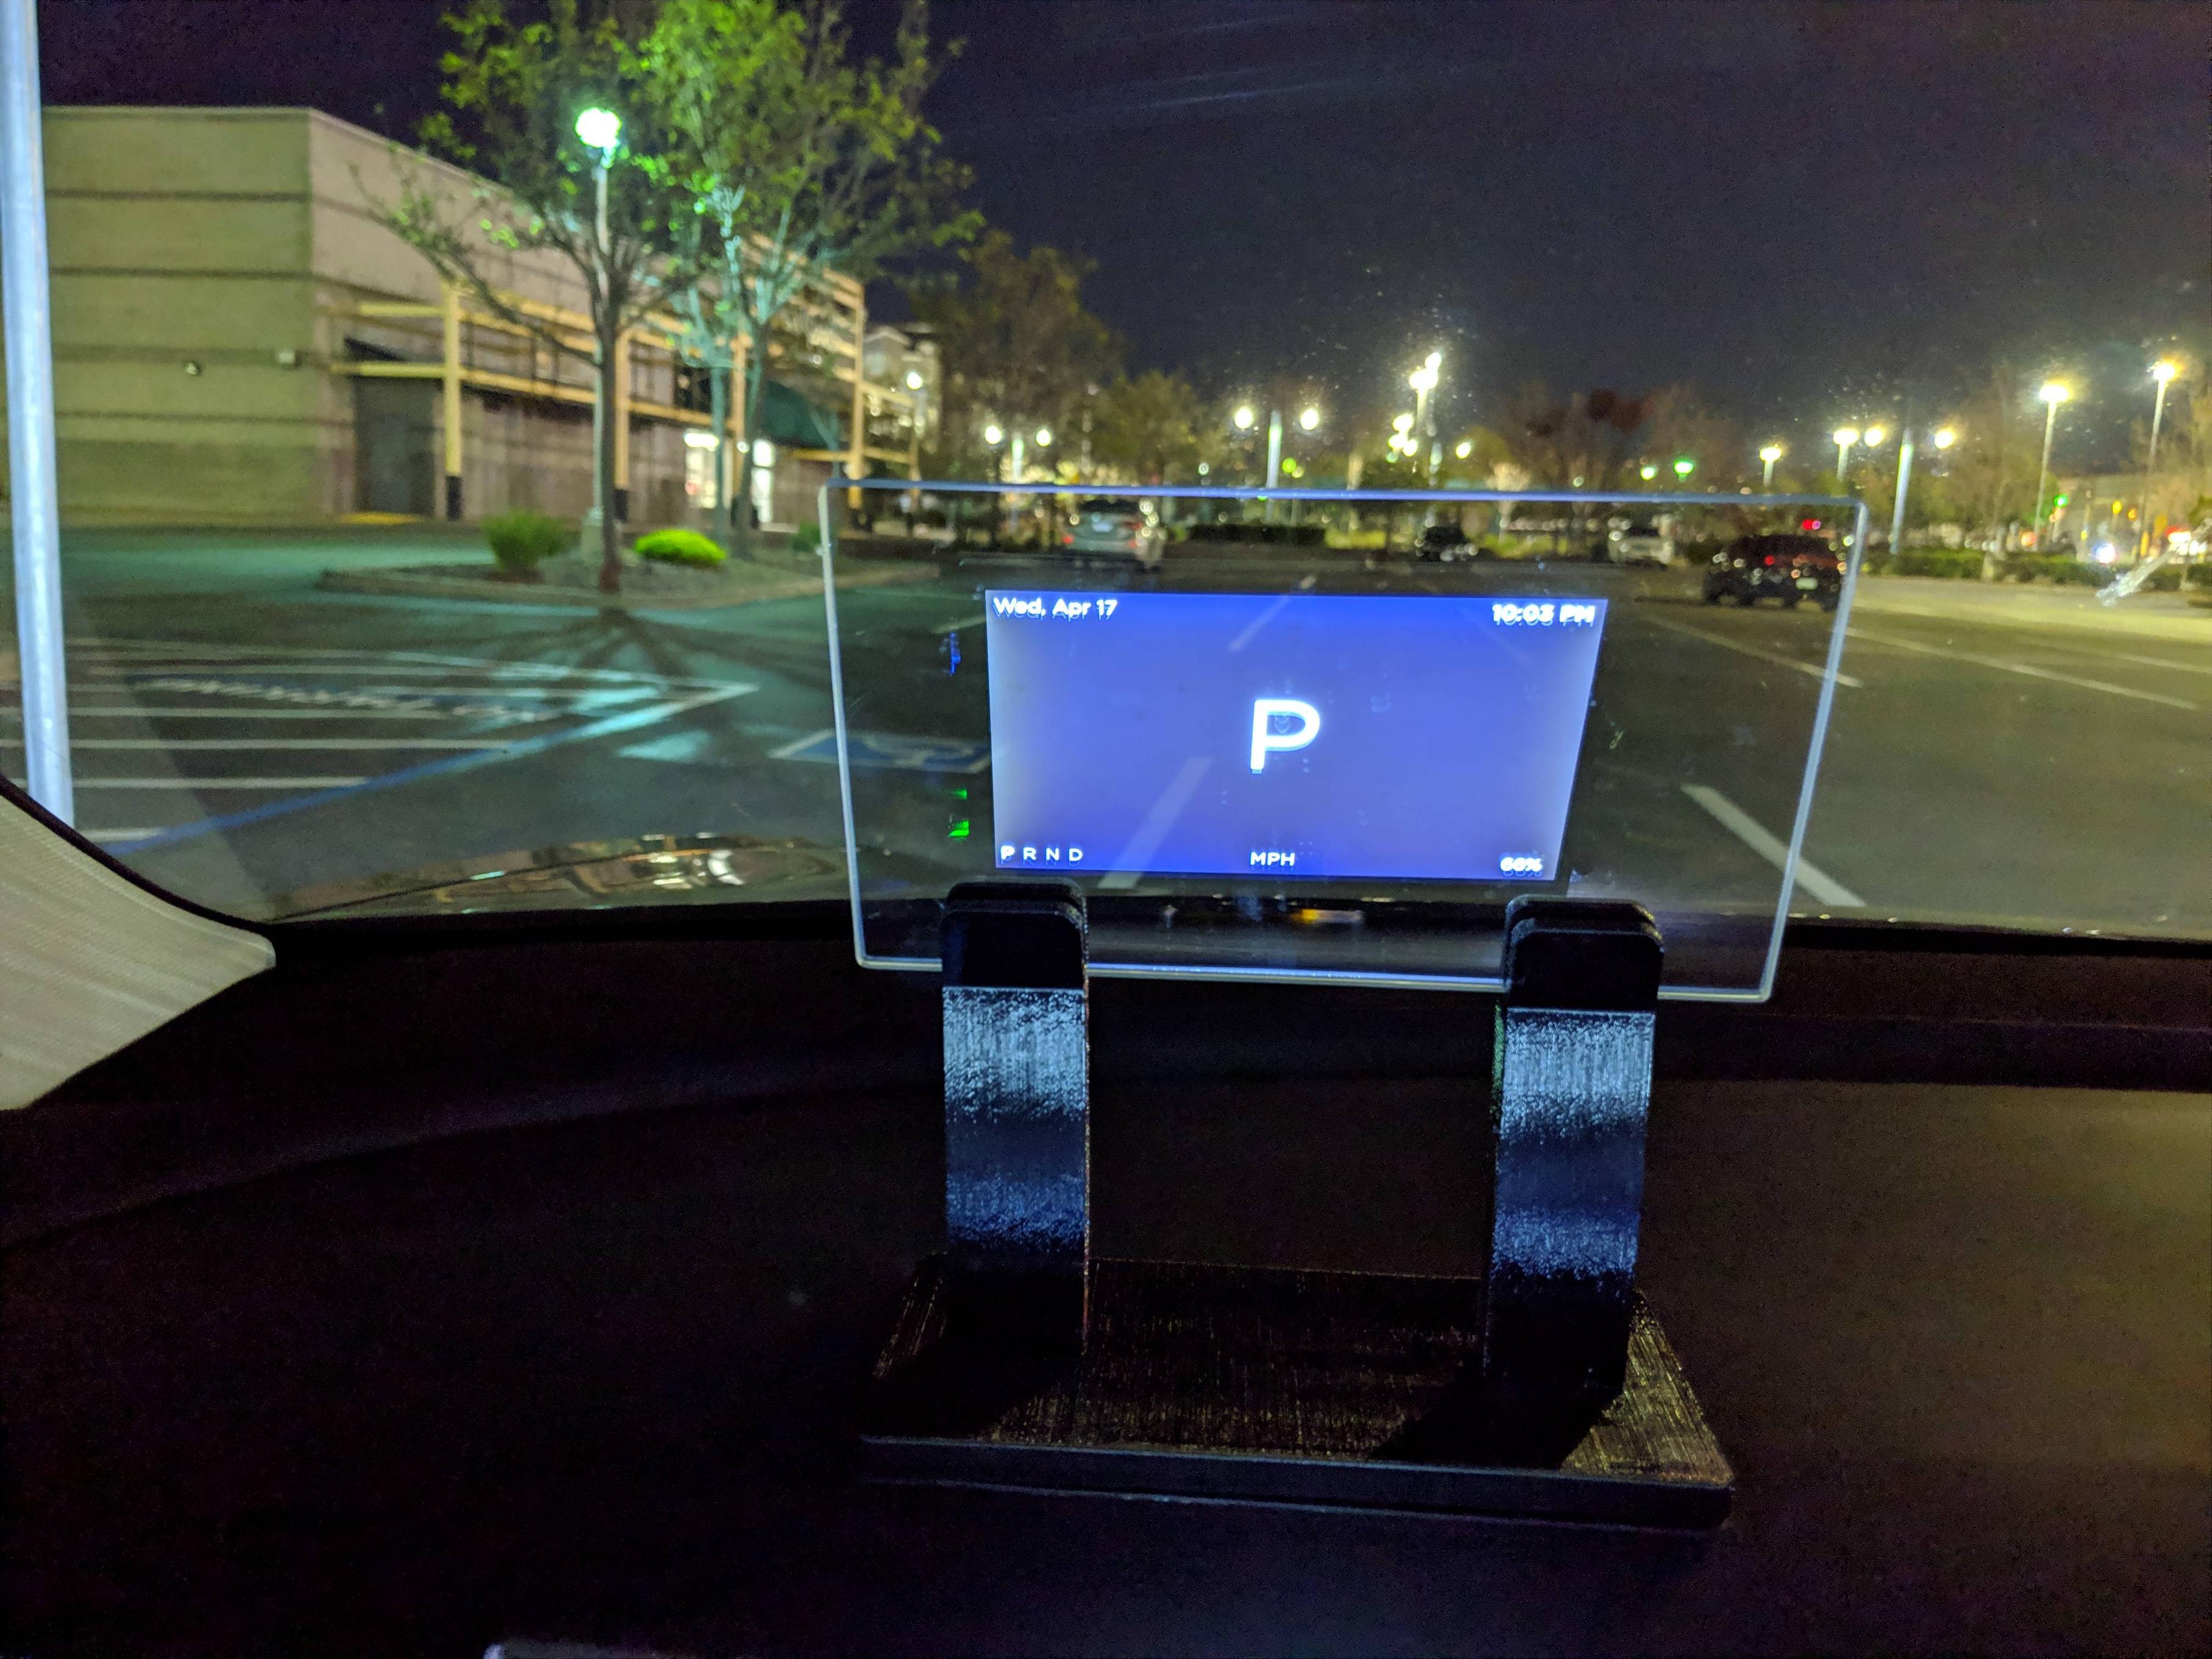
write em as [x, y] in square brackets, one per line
[90, 961]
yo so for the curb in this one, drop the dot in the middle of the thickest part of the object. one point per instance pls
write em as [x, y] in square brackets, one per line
[406, 584]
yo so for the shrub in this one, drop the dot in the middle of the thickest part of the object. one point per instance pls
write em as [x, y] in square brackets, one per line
[806, 538]
[521, 541]
[1271, 534]
[1946, 563]
[678, 547]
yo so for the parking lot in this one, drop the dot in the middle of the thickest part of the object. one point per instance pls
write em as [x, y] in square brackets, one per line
[240, 735]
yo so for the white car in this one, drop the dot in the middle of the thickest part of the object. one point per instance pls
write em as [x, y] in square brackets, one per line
[1123, 528]
[1640, 541]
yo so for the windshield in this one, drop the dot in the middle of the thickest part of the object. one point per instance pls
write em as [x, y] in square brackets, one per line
[438, 483]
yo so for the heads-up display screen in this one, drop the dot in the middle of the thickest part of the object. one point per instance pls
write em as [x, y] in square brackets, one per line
[1299, 735]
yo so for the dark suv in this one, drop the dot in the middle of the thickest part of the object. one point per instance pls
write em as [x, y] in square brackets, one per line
[1443, 543]
[1789, 568]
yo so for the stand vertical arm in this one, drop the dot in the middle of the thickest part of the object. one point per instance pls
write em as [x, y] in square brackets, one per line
[1572, 1088]
[1016, 1116]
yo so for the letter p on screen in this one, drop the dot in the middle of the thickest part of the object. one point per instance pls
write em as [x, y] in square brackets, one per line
[1266, 741]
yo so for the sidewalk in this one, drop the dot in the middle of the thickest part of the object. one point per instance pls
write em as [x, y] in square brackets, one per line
[2014, 604]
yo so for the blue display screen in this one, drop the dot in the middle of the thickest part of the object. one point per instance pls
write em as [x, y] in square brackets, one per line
[1286, 735]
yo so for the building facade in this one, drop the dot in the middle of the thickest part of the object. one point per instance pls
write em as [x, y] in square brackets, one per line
[239, 340]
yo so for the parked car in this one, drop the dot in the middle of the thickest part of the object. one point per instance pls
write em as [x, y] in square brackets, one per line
[1640, 541]
[1443, 543]
[1116, 527]
[1790, 569]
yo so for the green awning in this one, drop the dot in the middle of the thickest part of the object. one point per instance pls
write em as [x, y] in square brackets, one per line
[790, 420]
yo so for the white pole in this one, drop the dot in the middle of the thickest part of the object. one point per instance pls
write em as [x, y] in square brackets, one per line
[30, 338]
[2150, 465]
[1274, 458]
[2043, 477]
[1903, 483]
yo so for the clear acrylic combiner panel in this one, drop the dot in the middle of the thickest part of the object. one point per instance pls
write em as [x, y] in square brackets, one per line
[1321, 736]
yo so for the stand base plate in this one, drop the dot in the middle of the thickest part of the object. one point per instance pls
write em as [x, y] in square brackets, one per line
[1273, 1385]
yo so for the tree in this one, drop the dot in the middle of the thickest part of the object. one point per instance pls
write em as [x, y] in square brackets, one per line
[795, 161]
[1018, 348]
[1677, 426]
[513, 92]
[1147, 429]
[1992, 468]
[1584, 443]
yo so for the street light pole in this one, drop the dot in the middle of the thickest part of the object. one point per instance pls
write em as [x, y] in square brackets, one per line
[36, 504]
[1903, 483]
[600, 130]
[1274, 459]
[1768, 456]
[1845, 436]
[2163, 373]
[2053, 394]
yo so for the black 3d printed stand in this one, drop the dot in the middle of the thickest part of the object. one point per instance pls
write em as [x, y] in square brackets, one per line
[1545, 1388]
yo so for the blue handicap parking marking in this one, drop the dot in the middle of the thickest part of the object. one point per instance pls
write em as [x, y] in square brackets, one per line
[889, 750]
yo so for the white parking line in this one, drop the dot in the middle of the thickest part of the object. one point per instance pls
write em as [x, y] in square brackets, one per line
[2029, 668]
[135, 712]
[218, 783]
[1748, 831]
[1813, 669]
[285, 743]
[2150, 662]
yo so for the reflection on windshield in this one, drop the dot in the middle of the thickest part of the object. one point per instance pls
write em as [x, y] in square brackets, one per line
[423, 502]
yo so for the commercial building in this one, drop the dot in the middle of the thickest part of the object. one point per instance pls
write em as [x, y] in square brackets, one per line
[239, 339]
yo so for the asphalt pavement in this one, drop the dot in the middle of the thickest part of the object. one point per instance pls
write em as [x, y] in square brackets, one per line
[240, 735]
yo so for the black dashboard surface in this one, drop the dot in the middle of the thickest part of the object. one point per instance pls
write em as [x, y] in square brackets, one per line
[414, 1390]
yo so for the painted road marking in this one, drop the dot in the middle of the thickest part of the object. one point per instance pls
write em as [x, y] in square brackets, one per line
[2028, 669]
[284, 742]
[1813, 669]
[139, 653]
[628, 721]
[2147, 662]
[138, 711]
[218, 783]
[1747, 830]
[888, 752]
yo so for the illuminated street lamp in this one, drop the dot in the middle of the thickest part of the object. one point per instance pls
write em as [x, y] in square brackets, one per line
[1242, 418]
[914, 380]
[1683, 467]
[1769, 455]
[1463, 448]
[1944, 436]
[1647, 472]
[993, 435]
[1424, 383]
[2163, 373]
[1308, 418]
[1845, 436]
[2054, 393]
[1875, 435]
[1044, 437]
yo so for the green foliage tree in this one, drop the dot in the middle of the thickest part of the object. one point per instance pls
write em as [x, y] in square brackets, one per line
[512, 91]
[1018, 348]
[1146, 428]
[793, 159]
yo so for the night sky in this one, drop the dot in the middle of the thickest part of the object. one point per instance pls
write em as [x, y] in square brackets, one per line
[1798, 207]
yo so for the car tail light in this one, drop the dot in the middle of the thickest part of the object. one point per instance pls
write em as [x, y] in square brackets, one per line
[1068, 538]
